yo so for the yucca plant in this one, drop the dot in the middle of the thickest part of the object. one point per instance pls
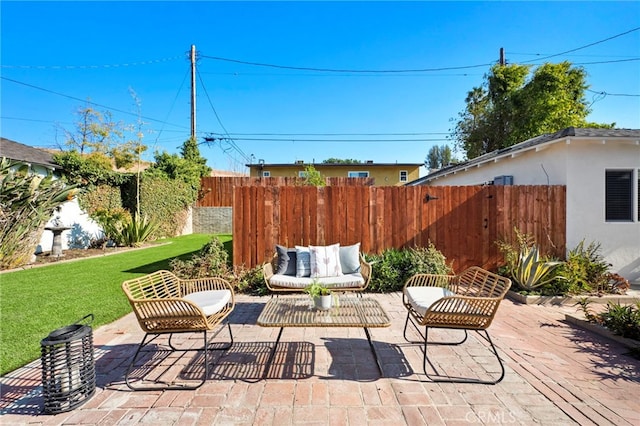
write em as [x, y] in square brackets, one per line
[135, 231]
[531, 272]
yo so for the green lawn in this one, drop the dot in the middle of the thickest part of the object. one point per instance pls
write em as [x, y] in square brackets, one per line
[36, 301]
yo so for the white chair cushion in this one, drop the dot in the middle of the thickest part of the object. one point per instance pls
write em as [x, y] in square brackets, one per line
[210, 301]
[421, 298]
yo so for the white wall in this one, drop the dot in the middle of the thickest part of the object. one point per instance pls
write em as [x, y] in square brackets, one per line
[83, 229]
[579, 164]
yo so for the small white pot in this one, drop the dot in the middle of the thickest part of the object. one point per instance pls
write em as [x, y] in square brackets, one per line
[323, 303]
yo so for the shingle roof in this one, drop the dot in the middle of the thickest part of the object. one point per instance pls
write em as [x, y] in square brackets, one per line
[26, 154]
[538, 140]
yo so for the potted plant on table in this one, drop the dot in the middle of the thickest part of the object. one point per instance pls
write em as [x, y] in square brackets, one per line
[320, 294]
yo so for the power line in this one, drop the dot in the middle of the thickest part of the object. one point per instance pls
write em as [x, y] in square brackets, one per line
[611, 94]
[336, 140]
[70, 67]
[336, 134]
[587, 45]
[345, 70]
[230, 140]
[87, 101]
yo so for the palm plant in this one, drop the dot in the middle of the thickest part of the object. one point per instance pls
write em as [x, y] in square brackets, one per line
[27, 202]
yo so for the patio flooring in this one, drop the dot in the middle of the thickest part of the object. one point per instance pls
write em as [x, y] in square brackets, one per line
[556, 374]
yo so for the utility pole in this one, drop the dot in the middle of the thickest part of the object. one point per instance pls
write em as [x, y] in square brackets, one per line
[502, 60]
[193, 91]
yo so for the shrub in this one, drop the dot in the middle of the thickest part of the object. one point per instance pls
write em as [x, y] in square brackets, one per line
[211, 261]
[622, 320]
[585, 270]
[250, 281]
[394, 267]
[531, 271]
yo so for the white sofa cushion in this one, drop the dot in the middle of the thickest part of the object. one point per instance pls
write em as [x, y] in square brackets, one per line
[343, 281]
[209, 301]
[350, 258]
[421, 298]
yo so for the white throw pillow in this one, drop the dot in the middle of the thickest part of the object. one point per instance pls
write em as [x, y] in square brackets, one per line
[325, 261]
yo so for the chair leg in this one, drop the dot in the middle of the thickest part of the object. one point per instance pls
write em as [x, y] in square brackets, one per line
[433, 378]
[205, 348]
[422, 335]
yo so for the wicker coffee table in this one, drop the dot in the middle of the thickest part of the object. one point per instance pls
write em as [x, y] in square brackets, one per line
[298, 311]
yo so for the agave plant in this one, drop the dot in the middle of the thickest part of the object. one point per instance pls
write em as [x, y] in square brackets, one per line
[530, 271]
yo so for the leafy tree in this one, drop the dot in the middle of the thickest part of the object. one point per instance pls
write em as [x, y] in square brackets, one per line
[313, 177]
[95, 131]
[439, 156]
[191, 153]
[341, 161]
[508, 108]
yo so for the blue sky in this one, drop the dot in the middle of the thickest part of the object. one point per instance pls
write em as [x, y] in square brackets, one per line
[55, 55]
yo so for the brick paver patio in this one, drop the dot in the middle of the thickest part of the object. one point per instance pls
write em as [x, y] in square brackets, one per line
[557, 374]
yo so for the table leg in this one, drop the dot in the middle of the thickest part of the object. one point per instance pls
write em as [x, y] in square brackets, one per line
[273, 354]
[373, 349]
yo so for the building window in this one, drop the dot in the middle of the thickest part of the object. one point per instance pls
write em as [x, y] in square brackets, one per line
[266, 173]
[619, 195]
[358, 174]
[302, 174]
[404, 176]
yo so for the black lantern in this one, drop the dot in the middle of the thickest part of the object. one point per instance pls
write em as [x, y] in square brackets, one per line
[68, 369]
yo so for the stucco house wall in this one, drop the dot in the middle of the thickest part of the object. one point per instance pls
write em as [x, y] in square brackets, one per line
[578, 160]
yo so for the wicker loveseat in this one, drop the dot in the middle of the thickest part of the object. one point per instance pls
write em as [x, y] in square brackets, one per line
[281, 274]
[165, 304]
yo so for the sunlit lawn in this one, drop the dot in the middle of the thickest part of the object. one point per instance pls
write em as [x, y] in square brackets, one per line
[36, 301]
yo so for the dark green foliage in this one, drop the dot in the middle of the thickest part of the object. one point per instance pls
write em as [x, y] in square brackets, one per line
[89, 170]
[394, 267]
[211, 261]
[622, 320]
[341, 161]
[165, 202]
[511, 107]
[585, 270]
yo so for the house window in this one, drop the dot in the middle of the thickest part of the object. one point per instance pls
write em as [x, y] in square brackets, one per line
[266, 173]
[302, 174]
[404, 176]
[619, 195]
[358, 174]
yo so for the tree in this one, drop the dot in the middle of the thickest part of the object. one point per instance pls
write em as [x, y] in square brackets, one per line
[341, 161]
[313, 177]
[95, 132]
[191, 153]
[439, 156]
[508, 108]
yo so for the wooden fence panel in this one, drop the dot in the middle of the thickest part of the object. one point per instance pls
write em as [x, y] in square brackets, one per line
[463, 222]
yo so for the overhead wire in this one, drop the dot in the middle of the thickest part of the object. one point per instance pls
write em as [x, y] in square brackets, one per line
[345, 70]
[88, 101]
[229, 139]
[586, 45]
[69, 67]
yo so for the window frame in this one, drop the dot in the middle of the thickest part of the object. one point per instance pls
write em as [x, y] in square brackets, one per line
[358, 173]
[266, 173]
[406, 176]
[620, 210]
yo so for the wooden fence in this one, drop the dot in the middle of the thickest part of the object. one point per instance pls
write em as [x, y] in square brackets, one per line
[218, 191]
[464, 222]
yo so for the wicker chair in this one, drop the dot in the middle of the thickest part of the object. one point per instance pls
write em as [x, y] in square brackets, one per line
[165, 304]
[467, 301]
